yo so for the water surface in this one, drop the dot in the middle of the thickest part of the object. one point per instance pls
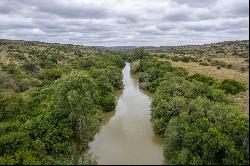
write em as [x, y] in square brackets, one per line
[128, 137]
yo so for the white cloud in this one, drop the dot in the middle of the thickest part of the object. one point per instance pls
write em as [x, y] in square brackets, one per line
[125, 22]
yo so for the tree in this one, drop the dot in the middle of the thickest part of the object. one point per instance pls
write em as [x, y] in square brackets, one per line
[140, 53]
[76, 98]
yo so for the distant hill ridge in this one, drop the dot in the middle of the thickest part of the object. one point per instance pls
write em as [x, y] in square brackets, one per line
[129, 48]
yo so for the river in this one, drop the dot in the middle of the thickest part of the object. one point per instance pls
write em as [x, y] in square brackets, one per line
[128, 137]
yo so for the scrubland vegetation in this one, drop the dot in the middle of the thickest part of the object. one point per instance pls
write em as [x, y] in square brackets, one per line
[223, 60]
[229, 55]
[196, 114]
[52, 99]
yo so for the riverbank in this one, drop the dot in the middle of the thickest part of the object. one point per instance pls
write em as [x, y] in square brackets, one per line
[128, 137]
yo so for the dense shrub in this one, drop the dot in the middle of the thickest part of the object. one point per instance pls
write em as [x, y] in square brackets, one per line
[204, 64]
[184, 59]
[51, 111]
[200, 123]
[10, 68]
[12, 105]
[135, 66]
[5, 81]
[107, 102]
[243, 69]
[22, 85]
[30, 67]
[143, 77]
[19, 56]
[76, 98]
[175, 99]
[202, 78]
[206, 134]
[111, 75]
[85, 63]
[229, 66]
[179, 71]
[218, 63]
[50, 74]
[232, 86]
[138, 54]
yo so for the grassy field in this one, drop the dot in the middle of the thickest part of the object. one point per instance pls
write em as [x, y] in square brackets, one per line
[238, 63]
[220, 74]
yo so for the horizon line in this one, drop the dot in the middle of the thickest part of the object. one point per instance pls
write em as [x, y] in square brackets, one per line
[1, 39]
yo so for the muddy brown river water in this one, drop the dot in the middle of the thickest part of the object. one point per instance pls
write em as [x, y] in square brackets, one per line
[128, 137]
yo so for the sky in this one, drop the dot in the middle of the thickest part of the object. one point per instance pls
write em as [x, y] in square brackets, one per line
[125, 22]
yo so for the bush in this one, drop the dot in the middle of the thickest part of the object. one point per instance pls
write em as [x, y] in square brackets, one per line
[22, 85]
[135, 66]
[243, 69]
[19, 56]
[143, 77]
[10, 68]
[175, 58]
[219, 63]
[165, 110]
[233, 87]
[50, 74]
[180, 72]
[140, 53]
[202, 78]
[85, 63]
[204, 64]
[205, 134]
[5, 81]
[184, 59]
[106, 98]
[229, 66]
[76, 98]
[110, 74]
[107, 102]
[12, 105]
[29, 67]
[44, 64]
